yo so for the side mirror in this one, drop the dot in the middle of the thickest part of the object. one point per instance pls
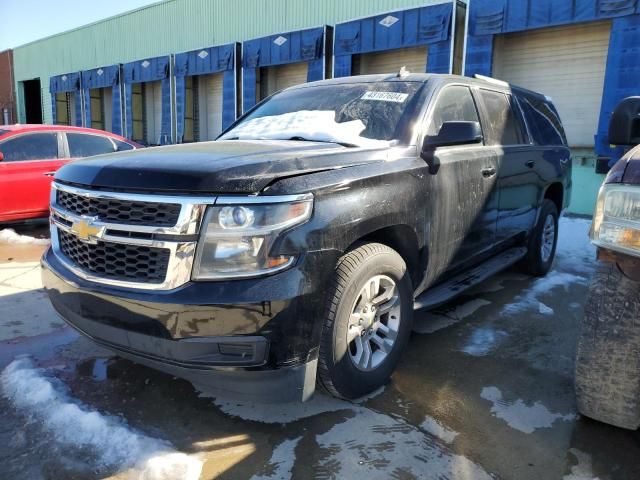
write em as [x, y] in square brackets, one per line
[624, 125]
[1, 156]
[453, 133]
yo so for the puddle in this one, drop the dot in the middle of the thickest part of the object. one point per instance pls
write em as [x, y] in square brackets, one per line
[483, 341]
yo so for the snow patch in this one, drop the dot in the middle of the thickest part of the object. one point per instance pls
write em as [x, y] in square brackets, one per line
[430, 322]
[529, 299]
[482, 341]
[435, 428]
[10, 236]
[545, 309]
[379, 446]
[519, 415]
[73, 424]
[281, 462]
[582, 470]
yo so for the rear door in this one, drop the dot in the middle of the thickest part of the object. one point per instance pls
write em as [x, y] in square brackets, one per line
[464, 200]
[518, 182]
[30, 160]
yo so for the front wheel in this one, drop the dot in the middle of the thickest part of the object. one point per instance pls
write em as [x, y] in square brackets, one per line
[368, 320]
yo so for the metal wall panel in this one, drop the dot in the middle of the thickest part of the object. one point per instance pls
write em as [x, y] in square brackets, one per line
[181, 25]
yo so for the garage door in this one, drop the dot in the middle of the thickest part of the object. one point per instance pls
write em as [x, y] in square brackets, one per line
[566, 63]
[209, 106]
[278, 77]
[152, 112]
[414, 59]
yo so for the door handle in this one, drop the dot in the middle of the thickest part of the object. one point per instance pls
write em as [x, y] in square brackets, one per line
[530, 163]
[49, 174]
[488, 172]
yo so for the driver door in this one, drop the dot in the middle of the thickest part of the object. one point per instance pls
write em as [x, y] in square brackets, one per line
[463, 207]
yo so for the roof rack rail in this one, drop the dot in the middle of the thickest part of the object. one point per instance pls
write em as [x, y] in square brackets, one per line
[491, 80]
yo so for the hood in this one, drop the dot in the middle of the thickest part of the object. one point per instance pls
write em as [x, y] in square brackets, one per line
[231, 166]
[627, 169]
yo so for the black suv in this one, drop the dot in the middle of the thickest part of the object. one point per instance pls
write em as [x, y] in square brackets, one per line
[293, 250]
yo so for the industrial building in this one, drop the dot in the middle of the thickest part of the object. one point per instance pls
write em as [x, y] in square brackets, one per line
[183, 70]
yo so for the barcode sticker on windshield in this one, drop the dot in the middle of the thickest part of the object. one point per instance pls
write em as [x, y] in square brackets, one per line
[385, 96]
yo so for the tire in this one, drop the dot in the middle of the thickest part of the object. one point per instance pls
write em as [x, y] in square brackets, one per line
[538, 261]
[607, 375]
[343, 368]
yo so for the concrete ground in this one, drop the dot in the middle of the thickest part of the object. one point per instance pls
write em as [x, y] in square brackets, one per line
[485, 390]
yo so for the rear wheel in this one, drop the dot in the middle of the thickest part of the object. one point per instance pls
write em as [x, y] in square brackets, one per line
[542, 243]
[368, 321]
[608, 355]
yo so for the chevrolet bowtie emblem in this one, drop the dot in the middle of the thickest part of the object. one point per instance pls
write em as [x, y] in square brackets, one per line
[86, 231]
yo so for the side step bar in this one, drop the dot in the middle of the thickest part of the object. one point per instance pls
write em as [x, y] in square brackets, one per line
[446, 291]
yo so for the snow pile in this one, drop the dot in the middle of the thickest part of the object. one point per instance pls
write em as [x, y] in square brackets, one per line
[435, 428]
[9, 235]
[582, 470]
[482, 341]
[318, 125]
[114, 443]
[520, 416]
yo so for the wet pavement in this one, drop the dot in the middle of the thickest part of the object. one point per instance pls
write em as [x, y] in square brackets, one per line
[485, 390]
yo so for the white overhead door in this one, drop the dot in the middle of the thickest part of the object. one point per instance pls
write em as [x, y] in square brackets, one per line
[565, 63]
[283, 76]
[153, 111]
[210, 106]
[390, 61]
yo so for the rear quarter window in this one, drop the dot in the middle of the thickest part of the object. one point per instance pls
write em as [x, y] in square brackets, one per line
[543, 121]
[84, 145]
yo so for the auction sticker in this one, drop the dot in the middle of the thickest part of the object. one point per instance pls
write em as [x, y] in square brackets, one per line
[396, 97]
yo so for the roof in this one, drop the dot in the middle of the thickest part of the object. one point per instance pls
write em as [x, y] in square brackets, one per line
[19, 127]
[423, 78]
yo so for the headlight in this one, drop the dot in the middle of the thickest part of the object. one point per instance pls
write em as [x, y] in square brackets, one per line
[616, 222]
[237, 236]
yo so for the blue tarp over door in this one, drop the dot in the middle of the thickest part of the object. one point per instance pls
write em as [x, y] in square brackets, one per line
[103, 77]
[201, 62]
[149, 70]
[68, 82]
[488, 18]
[292, 47]
[429, 25]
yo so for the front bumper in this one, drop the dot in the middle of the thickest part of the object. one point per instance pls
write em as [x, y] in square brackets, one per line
[248, 339]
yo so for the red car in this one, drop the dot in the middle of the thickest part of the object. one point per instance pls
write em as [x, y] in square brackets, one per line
[31, 154]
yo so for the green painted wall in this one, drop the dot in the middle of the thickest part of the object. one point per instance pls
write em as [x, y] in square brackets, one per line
[174, 26]
[586, 182]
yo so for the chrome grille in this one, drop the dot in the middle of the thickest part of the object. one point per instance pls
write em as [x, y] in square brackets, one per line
[120, 211]
[117, 261]
[130, 240]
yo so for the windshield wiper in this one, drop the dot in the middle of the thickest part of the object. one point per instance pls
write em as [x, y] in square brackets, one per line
[344, 144]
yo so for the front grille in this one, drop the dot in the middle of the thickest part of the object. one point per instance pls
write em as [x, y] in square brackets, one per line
[126, 212]
[116, 261]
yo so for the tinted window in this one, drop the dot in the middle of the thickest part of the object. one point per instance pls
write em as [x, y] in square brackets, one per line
[122, 146]
[82, 145]
[454, 104]
[503, 127]
[543, 122]
[32, 146]
[376, 111]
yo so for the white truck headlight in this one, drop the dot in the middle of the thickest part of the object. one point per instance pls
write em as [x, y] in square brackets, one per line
[237, 235]
[616, 222]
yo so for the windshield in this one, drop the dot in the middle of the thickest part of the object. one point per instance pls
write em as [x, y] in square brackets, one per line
[361, 114]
